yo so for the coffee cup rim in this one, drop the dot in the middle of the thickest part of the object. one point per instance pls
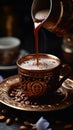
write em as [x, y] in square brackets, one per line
[21, 59]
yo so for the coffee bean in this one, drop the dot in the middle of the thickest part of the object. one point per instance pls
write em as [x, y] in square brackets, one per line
[4, 111]
[23, 127]
[16, 119]
[26, 123]
[11, 94]
[8, 121]
[27, 102]
[68, 126]
[2, 118]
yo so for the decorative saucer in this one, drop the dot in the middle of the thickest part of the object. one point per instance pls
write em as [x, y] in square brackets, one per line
[68, 84]
[61, 99]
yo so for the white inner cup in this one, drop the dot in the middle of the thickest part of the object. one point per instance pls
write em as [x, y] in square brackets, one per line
[9, 42]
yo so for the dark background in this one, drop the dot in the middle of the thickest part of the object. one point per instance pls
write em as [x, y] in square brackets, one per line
[22, 27]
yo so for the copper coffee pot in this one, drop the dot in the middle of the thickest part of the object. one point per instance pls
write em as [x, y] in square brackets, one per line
[59, 18]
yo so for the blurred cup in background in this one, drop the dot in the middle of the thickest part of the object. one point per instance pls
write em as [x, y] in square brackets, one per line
[9, 50]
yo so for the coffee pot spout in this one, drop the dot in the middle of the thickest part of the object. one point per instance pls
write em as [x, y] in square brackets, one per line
[59, 18]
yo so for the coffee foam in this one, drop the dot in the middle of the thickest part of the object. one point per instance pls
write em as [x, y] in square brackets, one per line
[44, 64]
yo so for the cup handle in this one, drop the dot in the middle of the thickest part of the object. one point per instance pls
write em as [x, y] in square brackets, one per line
[65, 72]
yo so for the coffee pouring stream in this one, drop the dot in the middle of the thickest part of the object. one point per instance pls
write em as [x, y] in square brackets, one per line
[54, 15]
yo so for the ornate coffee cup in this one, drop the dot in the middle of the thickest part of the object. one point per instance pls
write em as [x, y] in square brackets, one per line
[40, 80]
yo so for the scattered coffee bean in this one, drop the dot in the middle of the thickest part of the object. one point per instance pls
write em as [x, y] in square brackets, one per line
[4, 111]
[23, 127]
[8, 121]
[26, 123]
[16, 119]
[27, 102]
[68, 126]
[2, 118]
